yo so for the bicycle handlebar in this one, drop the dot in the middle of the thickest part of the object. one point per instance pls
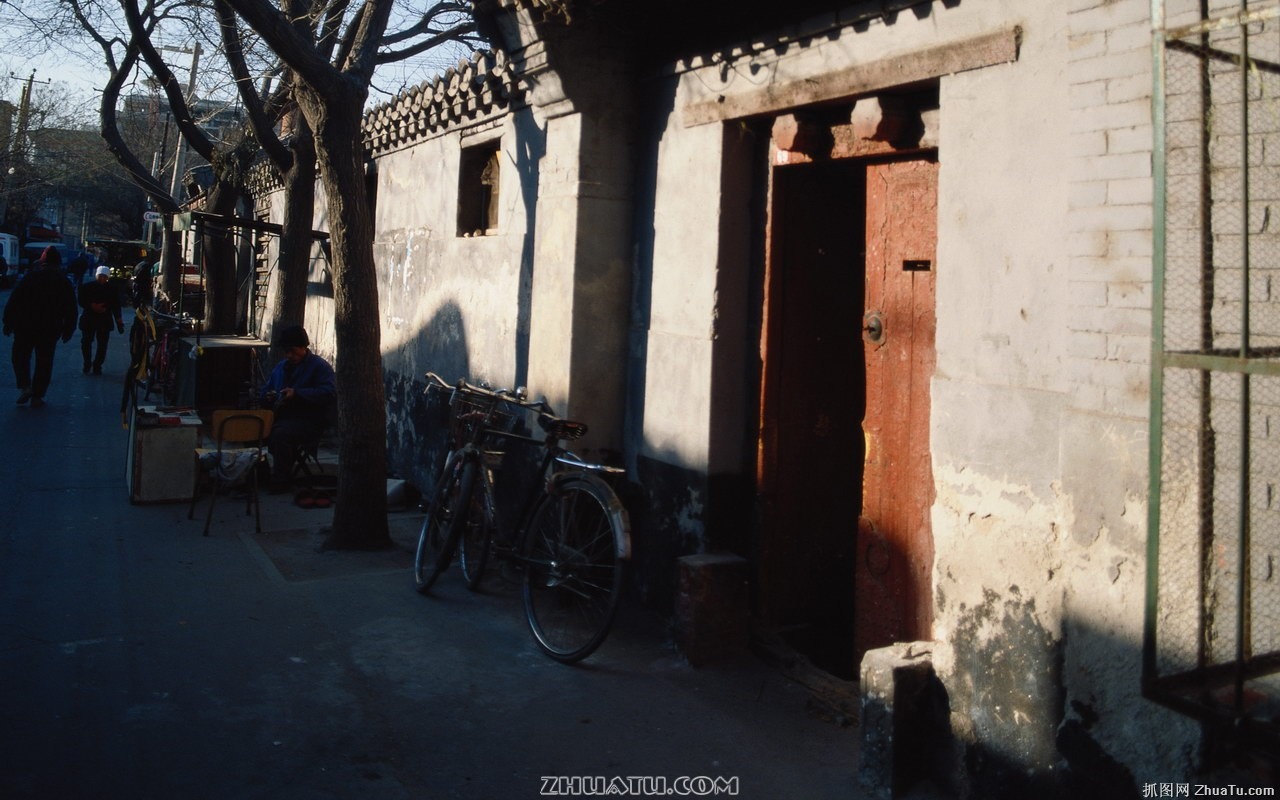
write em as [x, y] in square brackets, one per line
[516, 398]
[555, 426]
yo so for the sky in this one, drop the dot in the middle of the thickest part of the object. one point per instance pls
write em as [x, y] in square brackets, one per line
[73, 72]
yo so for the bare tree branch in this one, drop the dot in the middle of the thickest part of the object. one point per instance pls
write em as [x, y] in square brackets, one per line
[256, 108]
[167, 80]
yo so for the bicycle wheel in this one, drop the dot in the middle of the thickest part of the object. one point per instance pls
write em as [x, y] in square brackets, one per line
[473, 545]
[573, 567]
[438, 538]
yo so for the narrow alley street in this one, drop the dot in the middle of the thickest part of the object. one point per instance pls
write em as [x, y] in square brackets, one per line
[139, 659]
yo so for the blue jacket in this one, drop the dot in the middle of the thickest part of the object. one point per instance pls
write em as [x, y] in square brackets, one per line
[314, 384]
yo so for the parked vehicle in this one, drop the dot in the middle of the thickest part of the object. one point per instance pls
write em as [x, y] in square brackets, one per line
[9, 252]
[573, 539]
[31, 251]
[120, 254]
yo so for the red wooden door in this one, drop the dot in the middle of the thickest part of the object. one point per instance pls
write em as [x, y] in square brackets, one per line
[895, 542]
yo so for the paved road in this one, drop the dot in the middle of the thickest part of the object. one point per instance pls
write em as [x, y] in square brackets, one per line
[141, 660]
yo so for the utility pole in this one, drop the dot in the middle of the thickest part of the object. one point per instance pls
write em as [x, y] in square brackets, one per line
[18, 151]
[24, 118]
[180, 157]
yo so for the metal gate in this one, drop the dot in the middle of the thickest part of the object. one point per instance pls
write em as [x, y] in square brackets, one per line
[1212, 633]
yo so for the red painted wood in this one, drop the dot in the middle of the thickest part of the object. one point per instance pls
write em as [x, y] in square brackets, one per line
[895, 544]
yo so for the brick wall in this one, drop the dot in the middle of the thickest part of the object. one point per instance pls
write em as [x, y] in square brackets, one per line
[1110, 208]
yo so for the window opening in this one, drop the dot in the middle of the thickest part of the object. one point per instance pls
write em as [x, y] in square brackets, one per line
[478, 183]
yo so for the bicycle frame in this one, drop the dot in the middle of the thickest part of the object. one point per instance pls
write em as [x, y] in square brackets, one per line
[572, 539]
[553, 453]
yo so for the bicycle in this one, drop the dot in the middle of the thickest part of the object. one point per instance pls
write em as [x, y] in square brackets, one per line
[162, 368]
[573, 539]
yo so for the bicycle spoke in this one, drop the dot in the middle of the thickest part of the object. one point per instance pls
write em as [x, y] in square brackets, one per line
[573, 576]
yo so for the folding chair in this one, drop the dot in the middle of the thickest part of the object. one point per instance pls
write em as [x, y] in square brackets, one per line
[231, 427]
[306, 457]
[306, 460]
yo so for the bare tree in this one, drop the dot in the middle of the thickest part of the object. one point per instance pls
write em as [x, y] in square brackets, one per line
[54, 165]
[329, 51]
[332, 51]
[293, 157]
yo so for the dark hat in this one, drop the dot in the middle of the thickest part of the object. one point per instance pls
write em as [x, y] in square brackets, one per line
[51, 256]
[292, 336]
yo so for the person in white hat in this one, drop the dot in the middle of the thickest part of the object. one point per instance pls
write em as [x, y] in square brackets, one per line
[101, 303]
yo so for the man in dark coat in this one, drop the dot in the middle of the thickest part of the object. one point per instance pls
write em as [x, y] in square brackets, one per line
[101, 303]
[78, 266]
[302, 390]
[41, 308]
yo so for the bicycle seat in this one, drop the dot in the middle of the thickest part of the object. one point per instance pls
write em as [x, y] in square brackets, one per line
[562, 428]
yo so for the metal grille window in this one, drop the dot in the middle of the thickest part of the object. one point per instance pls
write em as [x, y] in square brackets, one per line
[1212, 637]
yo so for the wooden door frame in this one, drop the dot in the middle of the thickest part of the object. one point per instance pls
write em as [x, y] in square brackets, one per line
[767, 445]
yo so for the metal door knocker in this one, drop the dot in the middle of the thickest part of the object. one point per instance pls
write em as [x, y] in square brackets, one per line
[873, 327]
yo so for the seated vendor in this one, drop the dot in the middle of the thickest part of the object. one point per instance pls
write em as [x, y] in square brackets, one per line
[301, 390]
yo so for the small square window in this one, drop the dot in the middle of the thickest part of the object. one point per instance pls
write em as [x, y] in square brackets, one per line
[478, 184]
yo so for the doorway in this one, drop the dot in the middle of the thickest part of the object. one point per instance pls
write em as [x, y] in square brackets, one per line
[844, 476]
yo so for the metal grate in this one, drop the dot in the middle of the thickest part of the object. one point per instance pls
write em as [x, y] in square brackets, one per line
[1212, 640]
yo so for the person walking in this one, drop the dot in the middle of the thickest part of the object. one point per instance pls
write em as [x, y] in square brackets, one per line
[101, 303]
[78, 266]
[41, 308]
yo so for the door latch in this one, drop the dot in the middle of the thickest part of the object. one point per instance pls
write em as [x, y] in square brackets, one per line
[873, 327]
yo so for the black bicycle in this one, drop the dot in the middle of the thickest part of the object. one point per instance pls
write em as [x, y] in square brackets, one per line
[573, 540]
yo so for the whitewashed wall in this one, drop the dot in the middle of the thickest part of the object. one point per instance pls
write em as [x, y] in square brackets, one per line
[1040, 395]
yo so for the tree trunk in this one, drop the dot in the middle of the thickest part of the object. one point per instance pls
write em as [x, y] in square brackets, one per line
[360, 513]
[289, 305]
[218, 252]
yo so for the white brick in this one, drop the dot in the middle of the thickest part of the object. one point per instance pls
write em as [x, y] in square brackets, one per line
[1119, 115]
[1091, 294]
[1111, 218]
[1114, 374]
[1114, 167]
[1127, 38]
[1129, 294]
[1106, 16]
[1130, 191]
[1130, 87]
[1110, 269]
[1132, 321]
[1130, 140]
[1130, 243]
[1093, 143]
[1088, 45]
[1129, 349]
[1087, 194]
[1118, 65]
[1087, 243]
[1087, 95]
[1087, 345]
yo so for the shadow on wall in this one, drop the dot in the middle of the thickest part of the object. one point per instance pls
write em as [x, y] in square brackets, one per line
[530, 147]
[320, 272]
[417, 423]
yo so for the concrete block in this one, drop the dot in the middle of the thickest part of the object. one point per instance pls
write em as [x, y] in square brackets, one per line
[907, 744]
[711, 606]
